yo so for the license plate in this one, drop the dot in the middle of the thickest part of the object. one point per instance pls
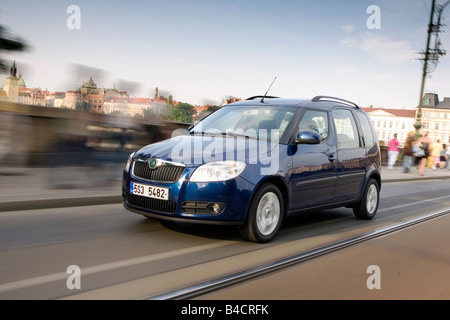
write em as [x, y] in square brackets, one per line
[149, 191]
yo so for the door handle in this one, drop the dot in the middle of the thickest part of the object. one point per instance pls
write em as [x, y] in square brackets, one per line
[331, 158]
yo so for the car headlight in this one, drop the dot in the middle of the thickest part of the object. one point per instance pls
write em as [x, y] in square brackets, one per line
[217, 171]
[130, 159]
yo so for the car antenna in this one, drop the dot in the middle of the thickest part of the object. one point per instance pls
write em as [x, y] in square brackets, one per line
[262, 100]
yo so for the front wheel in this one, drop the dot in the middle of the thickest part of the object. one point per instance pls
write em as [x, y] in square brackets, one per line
[368, 206]
[265, 215]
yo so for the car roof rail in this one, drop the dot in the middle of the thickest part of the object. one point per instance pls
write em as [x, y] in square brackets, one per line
[320, 98]
[260, 97]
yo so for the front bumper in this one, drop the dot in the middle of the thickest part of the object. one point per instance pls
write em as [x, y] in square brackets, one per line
[234, 197]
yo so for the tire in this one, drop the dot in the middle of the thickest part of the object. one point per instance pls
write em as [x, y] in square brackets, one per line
[368, 206]
[265, 215]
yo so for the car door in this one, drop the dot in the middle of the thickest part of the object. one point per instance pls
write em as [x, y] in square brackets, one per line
[313, 173]
[350, 155]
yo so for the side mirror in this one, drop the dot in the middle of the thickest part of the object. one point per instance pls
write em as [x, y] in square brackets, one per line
[308, 137]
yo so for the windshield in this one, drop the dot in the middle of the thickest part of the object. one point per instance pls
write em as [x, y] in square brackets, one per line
[259, 122]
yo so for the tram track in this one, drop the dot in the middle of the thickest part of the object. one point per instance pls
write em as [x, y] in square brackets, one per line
[217, 284]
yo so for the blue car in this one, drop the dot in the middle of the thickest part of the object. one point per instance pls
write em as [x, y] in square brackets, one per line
[251, 163]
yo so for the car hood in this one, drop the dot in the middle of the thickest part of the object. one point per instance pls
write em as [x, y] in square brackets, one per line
[196, 150]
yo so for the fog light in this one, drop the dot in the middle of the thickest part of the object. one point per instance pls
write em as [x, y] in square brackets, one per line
[214, 207]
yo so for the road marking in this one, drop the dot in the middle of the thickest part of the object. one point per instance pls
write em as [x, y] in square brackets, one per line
[134, 261]
[413, 203]
[109, 266]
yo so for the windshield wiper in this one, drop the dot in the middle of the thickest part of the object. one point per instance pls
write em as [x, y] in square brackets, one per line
[233, 134]
[203, 133]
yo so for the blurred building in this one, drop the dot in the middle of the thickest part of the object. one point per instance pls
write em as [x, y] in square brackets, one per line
[36, 97]
[58, 99]
[199, 109]
[114, 93]
[72, 99]
[436, 117]
[92, 97]
[160, 104]
[21, 82]
[12, 85]
[17, 91]
[230, 100]
[387, 122]
[126, 105]
[132, 106]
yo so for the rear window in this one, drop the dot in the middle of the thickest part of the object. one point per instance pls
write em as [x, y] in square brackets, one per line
[366, 129]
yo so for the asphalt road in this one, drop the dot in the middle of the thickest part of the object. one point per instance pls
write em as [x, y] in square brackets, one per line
[121, 255]
[413, 264]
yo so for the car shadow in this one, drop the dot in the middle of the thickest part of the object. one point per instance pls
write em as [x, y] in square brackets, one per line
[304, 224]
[216, 232]
[300, 226]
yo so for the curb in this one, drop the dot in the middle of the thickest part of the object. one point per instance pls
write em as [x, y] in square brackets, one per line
[59, 203]
[414, 179]
[115, 199]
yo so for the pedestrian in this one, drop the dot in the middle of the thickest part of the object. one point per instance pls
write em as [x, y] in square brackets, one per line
[423, 152]
[448, 157]
[408, 154]
[443, 157]
[393, 151]
[416, 161]
[436, 149]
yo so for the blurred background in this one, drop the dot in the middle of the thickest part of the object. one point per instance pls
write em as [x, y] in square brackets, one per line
[72, 148]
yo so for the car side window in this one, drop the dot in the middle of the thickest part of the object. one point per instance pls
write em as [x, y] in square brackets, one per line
[366, 129]
[314, 120]
[346, 130]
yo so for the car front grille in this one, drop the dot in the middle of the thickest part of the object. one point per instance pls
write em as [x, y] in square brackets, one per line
[152, 204]
[164, 173]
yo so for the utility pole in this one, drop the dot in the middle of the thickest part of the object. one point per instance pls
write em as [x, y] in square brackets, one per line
[418, 123]
[430, 55]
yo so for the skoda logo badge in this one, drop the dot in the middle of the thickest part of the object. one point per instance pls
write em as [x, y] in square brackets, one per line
[152, 163]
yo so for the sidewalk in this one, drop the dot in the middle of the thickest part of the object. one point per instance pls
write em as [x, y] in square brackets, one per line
[24, 188]
[397, 175]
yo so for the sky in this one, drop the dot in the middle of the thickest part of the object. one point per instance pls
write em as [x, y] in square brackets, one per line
[201, 52]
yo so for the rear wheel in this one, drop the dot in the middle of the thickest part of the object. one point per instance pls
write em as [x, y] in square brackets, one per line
[265, 215]
[368, 206]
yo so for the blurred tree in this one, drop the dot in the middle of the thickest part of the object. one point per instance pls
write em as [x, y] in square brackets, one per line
[183, 112]
[9, 43]
[213, 108]
[206, 112]
[147, 113]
